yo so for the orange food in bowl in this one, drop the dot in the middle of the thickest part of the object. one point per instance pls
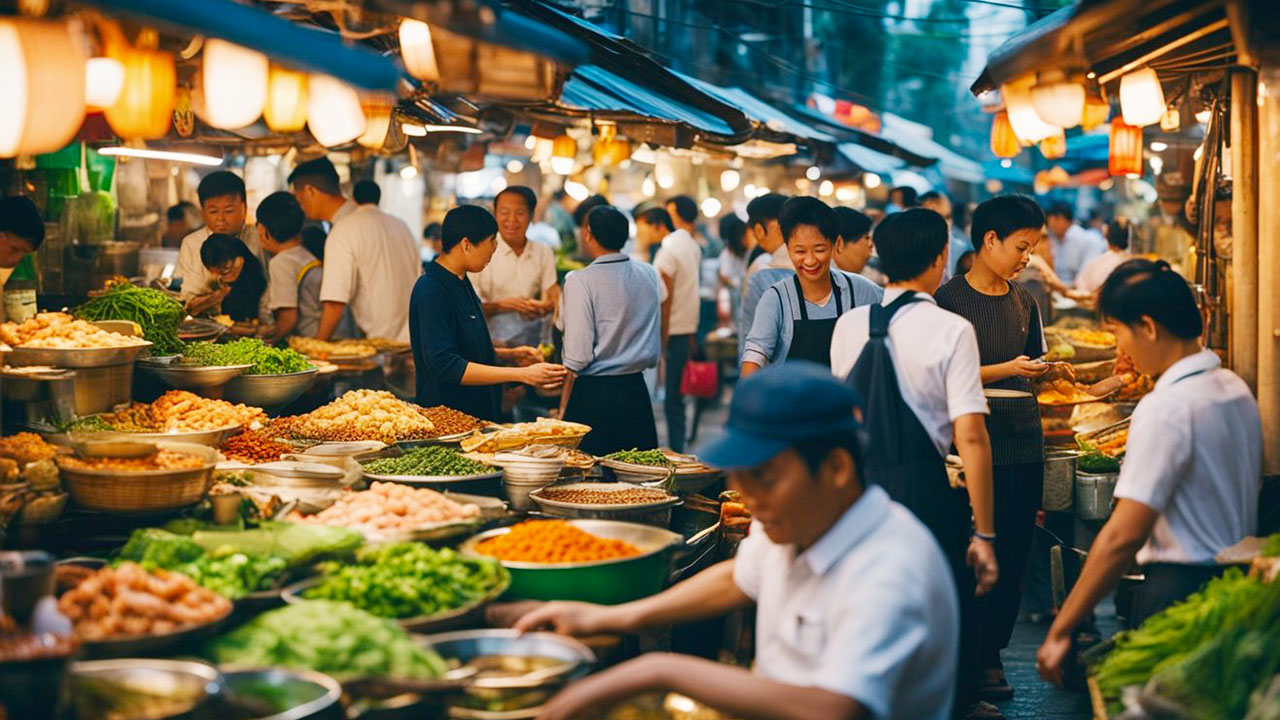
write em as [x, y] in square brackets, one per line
[554, 541]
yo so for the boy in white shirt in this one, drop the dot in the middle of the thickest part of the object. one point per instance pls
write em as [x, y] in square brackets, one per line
[293, 288]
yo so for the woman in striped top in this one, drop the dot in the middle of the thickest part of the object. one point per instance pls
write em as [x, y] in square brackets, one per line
[1010, 344]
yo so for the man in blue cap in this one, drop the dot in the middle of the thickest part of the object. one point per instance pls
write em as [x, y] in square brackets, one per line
[856, 613]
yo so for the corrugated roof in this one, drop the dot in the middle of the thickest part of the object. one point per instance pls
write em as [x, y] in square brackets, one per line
[952, 164]
[591, 87]
[761, 111]
[869, 160]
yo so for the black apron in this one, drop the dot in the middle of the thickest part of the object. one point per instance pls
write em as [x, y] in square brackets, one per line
[901, 457]
[811, 339]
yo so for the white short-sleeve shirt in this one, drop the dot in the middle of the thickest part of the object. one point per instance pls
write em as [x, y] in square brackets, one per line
[509, 275]
[935, 358]
[868, 612]
[680, 258]
[371, 263]
[1195, 456]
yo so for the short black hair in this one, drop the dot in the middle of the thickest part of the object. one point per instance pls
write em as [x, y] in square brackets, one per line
[686, 207]
[432, 231]
[1118, 233]
[909, 195]
[466, 222]
[609, 227]
[319, 174]
[765, 208]
[932, 196]
[909, 242]
[366, 192]
[657, 216]
[804, 210]
[853, 224]
[19, 216]
[733, 231]
[220, 184]
[1151, 288]
[220, 248]
[815, 450]
[281, 215]
[1005, 215]
[179, 211]
[586, 206]
[1062, 210]
[313, 237]
[525, 193]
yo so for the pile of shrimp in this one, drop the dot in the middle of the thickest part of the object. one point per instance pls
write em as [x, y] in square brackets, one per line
[61, 331]
[388, 507]
[128, 601]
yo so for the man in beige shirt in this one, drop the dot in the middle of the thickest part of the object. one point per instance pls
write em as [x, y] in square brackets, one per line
[518, 288]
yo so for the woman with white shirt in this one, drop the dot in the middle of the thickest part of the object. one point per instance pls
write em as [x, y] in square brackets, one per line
[1096, 271]
[1193, 467]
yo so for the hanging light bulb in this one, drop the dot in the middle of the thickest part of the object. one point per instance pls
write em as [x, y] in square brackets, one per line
[333, 111]
[286, 108]
[749, 190]
[234, 79]
[103, 80]
[1141, 98]
[729, 180]
[813, 173]
[530, 142]
[42, 83]
[576, 190]
[408, 172]
[665, 175]
[871, 180]
[846, 194]
[1171, 120]
[1125, 151]
[711, 207]
[1058, 100]
[1004, 143]
[377, 114]
[564, 151]
[417, 50]
[826, 188]
[648, 187]
[515, 167]
[1054, 146]
[1026, 124]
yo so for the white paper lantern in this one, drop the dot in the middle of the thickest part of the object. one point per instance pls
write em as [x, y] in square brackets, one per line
[1026, 124]
[103, 81]
[729, 180]
[42, 86]
[418, 51]
[235, 84]
[377, 115]
[1059, 103]
[1141, 98]
[334, 115]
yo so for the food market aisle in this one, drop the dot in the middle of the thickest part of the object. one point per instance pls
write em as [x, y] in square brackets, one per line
[1034, 698]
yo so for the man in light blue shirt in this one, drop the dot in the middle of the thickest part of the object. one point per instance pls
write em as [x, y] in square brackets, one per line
[1073, 246]
[612, 334]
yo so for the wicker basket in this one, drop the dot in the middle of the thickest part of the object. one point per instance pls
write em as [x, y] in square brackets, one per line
[141, 492]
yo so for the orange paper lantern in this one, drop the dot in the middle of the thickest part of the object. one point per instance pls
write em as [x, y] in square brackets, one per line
[286, 107]
[145, 106]
[1054, 146]
[1004, 144]
[1125, 156]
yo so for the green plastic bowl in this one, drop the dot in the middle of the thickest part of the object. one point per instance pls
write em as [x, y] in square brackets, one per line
[609, 582]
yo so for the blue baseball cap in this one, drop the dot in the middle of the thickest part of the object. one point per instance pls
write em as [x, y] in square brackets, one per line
[778, 406]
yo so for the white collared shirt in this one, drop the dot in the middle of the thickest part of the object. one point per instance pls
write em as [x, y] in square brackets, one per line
[868, 612]
[508, 275]
[371, 262]
[1096, 271]
[1195, 456]
[196, 280]
[1073, 250]
[680, 258]
[935, 358]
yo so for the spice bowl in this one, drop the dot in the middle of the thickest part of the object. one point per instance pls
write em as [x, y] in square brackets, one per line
[656, 512]
[522, 475]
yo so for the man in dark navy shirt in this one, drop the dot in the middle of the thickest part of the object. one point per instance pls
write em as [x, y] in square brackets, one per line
[457, 365]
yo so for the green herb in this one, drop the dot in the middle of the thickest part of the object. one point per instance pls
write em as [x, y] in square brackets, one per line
[333, 638]
[1098, 463]
[408, 580]
[89, 424]
[1272, 546]
[640, 457]
[155, 312]
[265, 359]
[429, 461]
[225, 570]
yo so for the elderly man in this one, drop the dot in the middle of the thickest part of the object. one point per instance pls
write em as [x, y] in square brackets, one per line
[518, 288]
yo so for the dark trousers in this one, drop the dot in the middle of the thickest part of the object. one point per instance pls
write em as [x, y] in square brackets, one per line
[1164, 584]
[678, 351]
[618, 410]
[1017, 500]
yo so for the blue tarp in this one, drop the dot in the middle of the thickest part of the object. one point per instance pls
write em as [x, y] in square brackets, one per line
[591, 87]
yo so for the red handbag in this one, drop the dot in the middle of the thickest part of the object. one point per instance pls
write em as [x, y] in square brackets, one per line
[701, 379]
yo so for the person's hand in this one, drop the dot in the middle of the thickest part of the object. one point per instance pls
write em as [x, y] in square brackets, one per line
[524, 306]
[575, 619]
[547, 376]
[631, 678]
[1023, 366]
[982, 558]
[526, 355]
[1052, 655]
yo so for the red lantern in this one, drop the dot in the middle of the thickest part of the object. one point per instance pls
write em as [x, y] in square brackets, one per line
[1054, 146]
[1004, 144]
[1125, 156]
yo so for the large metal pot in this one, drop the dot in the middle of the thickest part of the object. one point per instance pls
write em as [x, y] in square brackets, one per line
[311, 695]
[189, 684]
[1093, 495]
[1059, 480]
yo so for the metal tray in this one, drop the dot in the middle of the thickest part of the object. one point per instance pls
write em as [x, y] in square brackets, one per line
[604, 487]
[434, 479]
[447, 620]
[76, 357]
[211, 438]
[192, 377]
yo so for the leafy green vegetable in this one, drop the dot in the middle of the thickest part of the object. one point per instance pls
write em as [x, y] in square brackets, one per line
[224, 570]
[640, 457]
[1098, 463]
[333, 638]
[160, 548]
[429, 460]
[156, 313]
[265, 359]
[298, 544]
[1272, 547]
[408, 580]
[92, 423]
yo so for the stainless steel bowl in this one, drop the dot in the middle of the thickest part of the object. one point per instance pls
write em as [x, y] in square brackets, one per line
[189, 377]
[208, 438]
[269, 391]
[191, 684]
[76, 357]
[312, 695]
[657, 513]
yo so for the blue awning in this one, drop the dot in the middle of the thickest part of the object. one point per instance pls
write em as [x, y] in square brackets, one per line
[591, 87]
[951, 164]
[869, 160]
[760, 111]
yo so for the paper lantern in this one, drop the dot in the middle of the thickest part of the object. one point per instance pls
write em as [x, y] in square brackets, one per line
[564, 150]
[417, 50]
[286, 108]
[377, 115]
[42, 86]
[1058, 100]
[145, 106]
[1004, 144]
[1141, 97]
[1125, 153]
[235, 84]
[1171, 120]
[103, 80]
[1096, 111]
[334, 115]
[1027, 125]
[729, 180]
[1054, 146]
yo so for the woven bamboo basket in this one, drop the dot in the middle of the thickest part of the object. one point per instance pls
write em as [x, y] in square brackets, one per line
[142, 491]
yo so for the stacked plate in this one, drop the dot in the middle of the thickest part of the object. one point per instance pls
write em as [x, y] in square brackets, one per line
[522, 475]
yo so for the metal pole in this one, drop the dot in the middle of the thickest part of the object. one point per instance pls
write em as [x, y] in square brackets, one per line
[1269, 265]
[1244, 225]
